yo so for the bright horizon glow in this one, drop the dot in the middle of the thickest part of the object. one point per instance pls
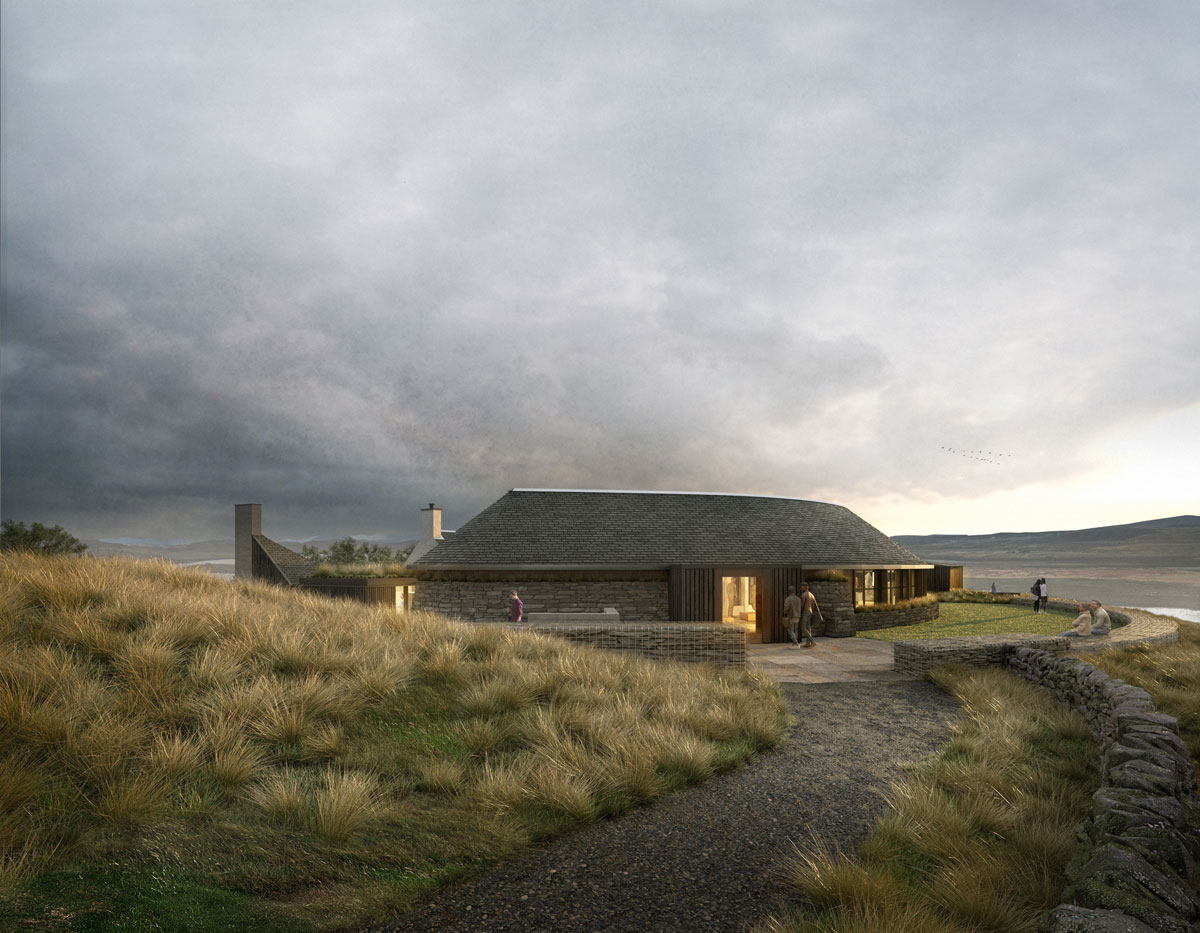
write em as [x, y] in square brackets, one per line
[1132, 482]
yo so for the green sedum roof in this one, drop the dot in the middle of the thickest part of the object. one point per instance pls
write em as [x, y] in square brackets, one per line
[601, 528]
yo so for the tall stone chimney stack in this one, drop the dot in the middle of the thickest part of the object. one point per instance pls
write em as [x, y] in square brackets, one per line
[431, 523]
[431, 532]
[247, 522]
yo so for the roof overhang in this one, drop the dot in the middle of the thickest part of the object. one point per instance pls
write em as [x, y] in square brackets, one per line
[643, 567]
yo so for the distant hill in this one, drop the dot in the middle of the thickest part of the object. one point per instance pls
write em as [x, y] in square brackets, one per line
[1164, 542]
[222, 548]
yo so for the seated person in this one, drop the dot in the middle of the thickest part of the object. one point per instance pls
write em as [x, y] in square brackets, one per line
[1082, 626]
[1101, 624]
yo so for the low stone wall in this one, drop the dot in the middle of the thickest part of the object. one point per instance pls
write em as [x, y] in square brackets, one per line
[889, 618]
[1129, 628]
[1135, 866]
[924, 654]
[485, 601]
[839, 620]
[692, 642]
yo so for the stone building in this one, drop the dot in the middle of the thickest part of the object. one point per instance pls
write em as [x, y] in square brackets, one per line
[661, 556]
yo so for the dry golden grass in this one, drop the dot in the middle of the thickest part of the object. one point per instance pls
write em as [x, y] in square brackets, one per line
[152, 698]
[1171, 674]
[345, 803]
[977, 839]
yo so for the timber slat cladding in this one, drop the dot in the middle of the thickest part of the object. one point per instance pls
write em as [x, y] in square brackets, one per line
[693, 593]
[781, 579]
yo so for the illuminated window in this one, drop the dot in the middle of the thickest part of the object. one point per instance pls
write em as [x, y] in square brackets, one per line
[739, 597]
[864, 587]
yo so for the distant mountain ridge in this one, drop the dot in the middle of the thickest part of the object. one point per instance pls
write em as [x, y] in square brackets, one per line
[1163, 542]
[215, 549]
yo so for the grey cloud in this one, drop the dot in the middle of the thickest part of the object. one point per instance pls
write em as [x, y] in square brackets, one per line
[435, 252]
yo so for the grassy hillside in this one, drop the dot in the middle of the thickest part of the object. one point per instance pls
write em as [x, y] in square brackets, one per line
[1167, 542]
[178, 752]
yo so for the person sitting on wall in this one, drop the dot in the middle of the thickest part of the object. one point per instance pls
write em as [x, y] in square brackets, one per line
[1082, 626]
[1101, 623]
[516, 608]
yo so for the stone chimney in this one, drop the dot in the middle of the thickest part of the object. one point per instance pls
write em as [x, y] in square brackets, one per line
[431, 532]
[247, 522]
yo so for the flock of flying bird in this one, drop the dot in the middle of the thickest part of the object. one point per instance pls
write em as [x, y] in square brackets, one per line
[984, 456]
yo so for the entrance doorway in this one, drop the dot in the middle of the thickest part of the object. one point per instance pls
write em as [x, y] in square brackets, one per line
[741, 601]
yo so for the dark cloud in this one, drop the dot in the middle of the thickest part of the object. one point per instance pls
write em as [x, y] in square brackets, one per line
[345, 264]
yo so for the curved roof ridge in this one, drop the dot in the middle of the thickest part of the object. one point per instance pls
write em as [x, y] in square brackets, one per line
[604, 527]
[678, 492]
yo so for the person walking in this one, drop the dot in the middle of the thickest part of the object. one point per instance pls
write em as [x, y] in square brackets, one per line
[808, 605]
[792, 608]
[516, 608]
[1043, 592]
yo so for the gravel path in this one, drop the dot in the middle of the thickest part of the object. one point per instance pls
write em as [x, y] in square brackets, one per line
[707, 858]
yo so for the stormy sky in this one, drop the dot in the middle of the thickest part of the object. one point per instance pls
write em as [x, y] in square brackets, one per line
[937, 262]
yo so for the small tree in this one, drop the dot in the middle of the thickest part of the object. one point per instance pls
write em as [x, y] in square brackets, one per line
[14, 536]
[347, 551]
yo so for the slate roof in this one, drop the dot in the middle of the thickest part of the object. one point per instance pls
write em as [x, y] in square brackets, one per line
[603, 528]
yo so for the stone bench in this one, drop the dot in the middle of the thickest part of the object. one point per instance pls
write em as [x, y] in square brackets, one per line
[1130, 628]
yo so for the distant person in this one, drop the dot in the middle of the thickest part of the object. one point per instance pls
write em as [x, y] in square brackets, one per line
[1101, 623]
[993, 587]
[1082, 626]
[1040, 593]
[516, 608]
[808, 605]
[792, 608]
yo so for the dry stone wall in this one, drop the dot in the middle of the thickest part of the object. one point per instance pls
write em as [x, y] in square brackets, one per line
[889, 618]
[692, 642]
[1135, 867]
[837, 609]
[841, 621]
[486, 601]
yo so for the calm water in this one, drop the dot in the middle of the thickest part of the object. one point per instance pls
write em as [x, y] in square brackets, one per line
[1172, 599]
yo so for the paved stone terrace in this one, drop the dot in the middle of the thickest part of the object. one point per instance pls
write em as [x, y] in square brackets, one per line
[834, 660]
[857, 660]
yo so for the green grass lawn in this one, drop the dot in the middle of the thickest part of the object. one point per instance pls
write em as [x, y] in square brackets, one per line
[958, 619]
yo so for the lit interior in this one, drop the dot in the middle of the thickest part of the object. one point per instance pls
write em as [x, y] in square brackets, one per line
[738, 595]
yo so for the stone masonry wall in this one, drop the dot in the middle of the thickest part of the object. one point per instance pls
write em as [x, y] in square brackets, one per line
[1135, 866]
[887, 618]
[692, 642]
[837, 608]
[841, 621]
[481, 601]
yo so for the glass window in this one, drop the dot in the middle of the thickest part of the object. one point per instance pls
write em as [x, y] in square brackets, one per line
[864, 587]
[738, 598]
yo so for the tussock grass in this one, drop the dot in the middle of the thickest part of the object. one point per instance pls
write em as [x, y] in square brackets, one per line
[314, 764]
[1170, 673]
[977, 839]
